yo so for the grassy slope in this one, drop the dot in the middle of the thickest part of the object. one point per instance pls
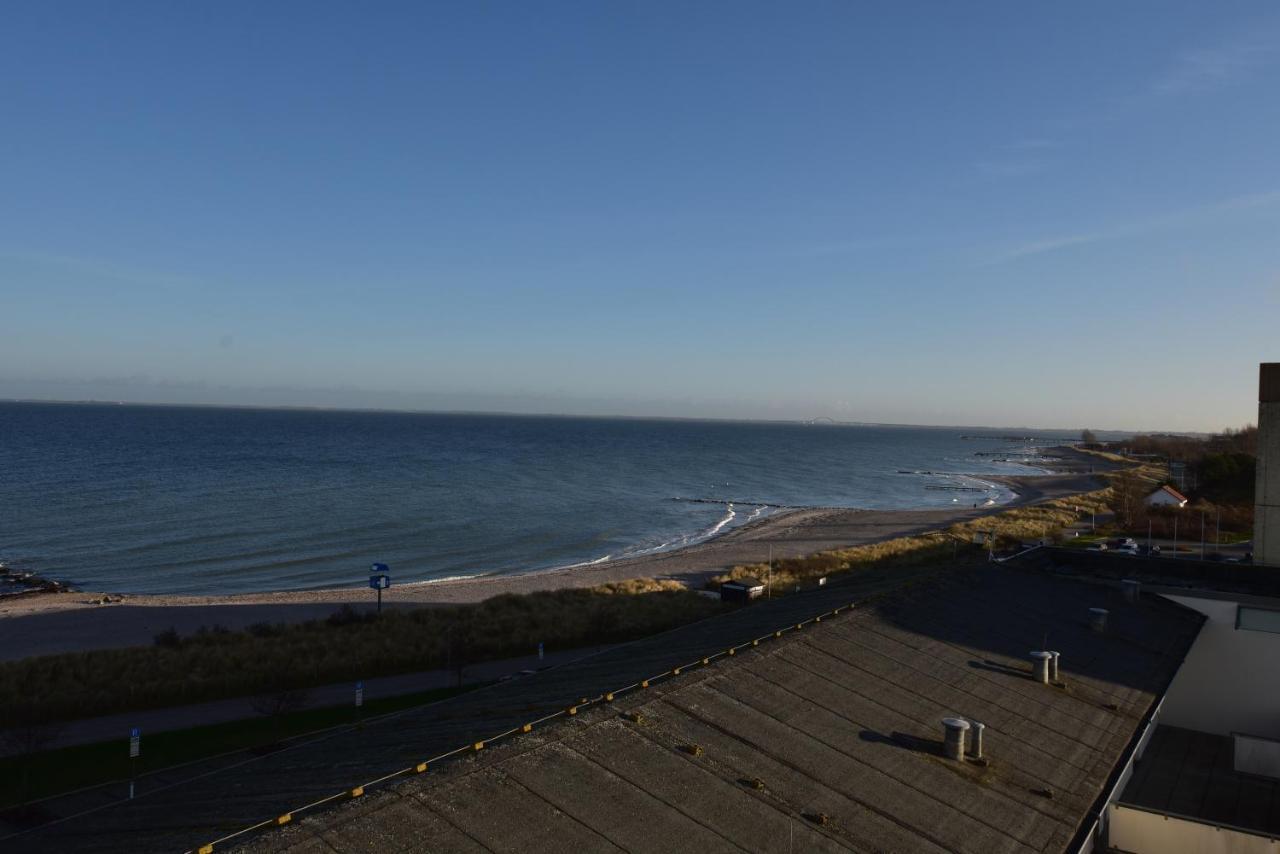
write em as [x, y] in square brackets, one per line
[67, 769]
[268, 658]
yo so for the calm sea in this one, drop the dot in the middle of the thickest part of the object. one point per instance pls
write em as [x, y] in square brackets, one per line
[205, 500]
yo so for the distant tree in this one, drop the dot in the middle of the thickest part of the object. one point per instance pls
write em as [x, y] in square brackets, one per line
[1127, 493]
[1227, 478]
[1088, 437]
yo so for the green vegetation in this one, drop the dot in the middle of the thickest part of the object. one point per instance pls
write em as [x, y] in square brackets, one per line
[216, 663]
[1220, 470]
[1227, 478]
[39, 775]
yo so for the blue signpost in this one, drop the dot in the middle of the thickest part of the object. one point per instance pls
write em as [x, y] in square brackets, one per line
[380, 579]
[135, 748]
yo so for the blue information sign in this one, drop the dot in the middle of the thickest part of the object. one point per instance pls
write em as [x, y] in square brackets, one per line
[379, 579]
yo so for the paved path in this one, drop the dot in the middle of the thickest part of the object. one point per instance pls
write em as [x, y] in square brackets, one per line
[240, 708]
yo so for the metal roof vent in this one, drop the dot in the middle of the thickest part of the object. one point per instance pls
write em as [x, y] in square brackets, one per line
[1132, 589]
[1053, 665]
[975, 739]
[1040, 665]
[953, 741]
[1098, 619]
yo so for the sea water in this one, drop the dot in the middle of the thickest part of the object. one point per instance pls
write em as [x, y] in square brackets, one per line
[149, 499]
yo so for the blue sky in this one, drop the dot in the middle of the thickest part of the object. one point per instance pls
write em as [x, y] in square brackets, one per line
[999, 213]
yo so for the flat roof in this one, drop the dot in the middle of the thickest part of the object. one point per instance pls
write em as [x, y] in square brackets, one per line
[1189, 774]
[826, 740]
[1189, 573]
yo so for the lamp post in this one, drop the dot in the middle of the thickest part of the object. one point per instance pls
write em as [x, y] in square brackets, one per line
[768, 588]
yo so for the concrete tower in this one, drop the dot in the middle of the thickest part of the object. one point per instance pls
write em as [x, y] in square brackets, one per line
[1266, 517]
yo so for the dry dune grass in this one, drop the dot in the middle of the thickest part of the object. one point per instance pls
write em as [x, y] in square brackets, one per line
[1017, 524]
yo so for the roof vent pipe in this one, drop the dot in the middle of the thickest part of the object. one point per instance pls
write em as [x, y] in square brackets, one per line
[975, 739]
[953, 742]
[1132, 589]
[1040, 666]
[1098, 619]
[1053, 665]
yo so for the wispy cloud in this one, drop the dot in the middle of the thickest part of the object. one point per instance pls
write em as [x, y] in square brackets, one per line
[1193, 71]
[1018, 159]
[1033, 143]
[1147, 225]
[1210, 68]
[1013, 167]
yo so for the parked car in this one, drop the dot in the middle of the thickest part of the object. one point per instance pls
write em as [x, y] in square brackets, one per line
[1126, 550]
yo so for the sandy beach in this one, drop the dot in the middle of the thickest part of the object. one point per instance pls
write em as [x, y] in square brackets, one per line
[47, 623]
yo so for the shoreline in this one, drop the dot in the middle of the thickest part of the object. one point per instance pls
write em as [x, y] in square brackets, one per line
[53, 622]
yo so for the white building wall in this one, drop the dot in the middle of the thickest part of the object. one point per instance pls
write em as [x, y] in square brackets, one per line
[1230, 681]
[1162, 499]
[1141, 832]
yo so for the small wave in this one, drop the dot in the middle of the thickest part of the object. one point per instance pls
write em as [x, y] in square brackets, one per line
[426, 581]
[729, 517]
[585, 563]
